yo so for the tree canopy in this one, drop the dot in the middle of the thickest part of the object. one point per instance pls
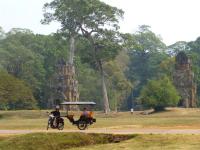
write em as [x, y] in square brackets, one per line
[113, 69]
[159, 94]
[14, 93]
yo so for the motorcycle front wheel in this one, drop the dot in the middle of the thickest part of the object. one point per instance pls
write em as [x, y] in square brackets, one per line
[48, 124]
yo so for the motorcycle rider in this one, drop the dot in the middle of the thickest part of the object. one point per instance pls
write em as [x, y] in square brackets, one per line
[56, 114]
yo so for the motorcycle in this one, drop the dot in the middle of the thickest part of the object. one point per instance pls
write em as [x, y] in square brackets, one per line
[55, 122]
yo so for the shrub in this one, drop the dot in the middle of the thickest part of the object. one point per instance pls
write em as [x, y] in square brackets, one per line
[159, 94]
[14, 93]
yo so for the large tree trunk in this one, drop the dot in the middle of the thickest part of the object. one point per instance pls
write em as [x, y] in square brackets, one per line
[72, 49]
[104, 90]
[72, 96]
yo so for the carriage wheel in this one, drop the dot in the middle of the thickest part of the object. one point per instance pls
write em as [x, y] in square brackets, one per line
[82, 125]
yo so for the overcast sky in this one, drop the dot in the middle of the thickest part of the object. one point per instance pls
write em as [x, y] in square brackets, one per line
[174, 20]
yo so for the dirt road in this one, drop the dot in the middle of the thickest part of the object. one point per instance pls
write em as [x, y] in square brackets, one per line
[111, 131]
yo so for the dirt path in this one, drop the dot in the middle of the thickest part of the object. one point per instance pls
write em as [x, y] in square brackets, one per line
[111, 131]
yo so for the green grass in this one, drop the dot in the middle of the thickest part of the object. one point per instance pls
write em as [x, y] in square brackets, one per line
[152, 142]
[81, 141]
[55, 141]
[36, 119]
[173, 118]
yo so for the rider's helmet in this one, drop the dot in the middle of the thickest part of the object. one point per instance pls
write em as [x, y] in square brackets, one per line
[57, 107]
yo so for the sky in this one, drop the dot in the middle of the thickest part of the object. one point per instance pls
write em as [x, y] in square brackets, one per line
[173, 20]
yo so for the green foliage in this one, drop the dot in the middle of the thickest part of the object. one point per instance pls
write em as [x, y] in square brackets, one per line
[88, 17]
[32, 58]
[14, 93]
[89, 83]
[177, 47]
[147, 41]
[146, 51]
[159, 94]
[76, 15]
[122, 60]
[166, 67]
[118, 86]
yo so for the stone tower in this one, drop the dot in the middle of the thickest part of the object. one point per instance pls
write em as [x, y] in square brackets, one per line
[63, 85]
[67, 85]
[183, 79]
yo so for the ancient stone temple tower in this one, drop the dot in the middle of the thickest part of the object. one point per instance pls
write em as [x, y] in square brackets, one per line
[63, 86]
[67, 84]
[183, 79]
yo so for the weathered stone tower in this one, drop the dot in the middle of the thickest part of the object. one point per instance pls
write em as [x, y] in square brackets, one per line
[63, 85]
[183, 79]
[67, 85]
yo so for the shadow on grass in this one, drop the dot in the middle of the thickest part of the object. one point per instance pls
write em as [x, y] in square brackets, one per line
[155, 112]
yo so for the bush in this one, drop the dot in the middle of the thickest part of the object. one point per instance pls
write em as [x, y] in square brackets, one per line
[14, 93]
[159, 94]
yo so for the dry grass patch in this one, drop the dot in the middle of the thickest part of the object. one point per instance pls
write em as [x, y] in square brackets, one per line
[173, 118]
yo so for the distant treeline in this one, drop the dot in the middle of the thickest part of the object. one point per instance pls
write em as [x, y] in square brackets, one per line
[28, 63]
[113, 69]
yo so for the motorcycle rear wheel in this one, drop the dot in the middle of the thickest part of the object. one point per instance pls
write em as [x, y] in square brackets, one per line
[60, 126]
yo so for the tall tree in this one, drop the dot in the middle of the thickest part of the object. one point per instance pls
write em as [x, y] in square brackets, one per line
[65, 16]
[90, 18]
[146, 51]
[119, 86]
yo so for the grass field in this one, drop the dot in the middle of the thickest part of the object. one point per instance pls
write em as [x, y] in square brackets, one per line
[172, 118]
[152, 142]
[56, 141]
[80, 141]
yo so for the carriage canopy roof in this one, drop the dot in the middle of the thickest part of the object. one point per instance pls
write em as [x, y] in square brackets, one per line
[78, 103]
